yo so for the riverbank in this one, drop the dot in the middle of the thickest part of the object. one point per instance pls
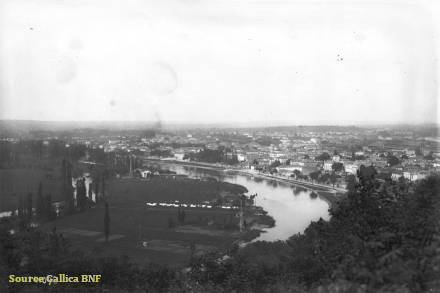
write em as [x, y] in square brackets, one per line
[328, 193]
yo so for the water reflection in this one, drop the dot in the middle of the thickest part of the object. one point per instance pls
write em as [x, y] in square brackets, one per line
[298, 189]
[313, 195]
[292, 214]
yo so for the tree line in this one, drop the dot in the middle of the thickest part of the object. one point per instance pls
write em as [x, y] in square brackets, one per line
[383, 236]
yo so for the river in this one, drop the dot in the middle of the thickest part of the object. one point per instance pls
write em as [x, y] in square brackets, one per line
[292, 207]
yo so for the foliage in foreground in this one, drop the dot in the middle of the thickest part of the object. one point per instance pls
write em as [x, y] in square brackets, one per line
[382, 237]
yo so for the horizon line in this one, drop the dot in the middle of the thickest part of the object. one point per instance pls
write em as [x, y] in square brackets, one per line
[273, 123]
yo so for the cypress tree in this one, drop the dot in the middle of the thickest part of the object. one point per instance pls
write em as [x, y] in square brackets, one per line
[48, 211]
[106, 222]
[81, 193]
[90, 193]
[96, 183]
[20, 207]
[29, 206]
[103, 186]
[40, 201]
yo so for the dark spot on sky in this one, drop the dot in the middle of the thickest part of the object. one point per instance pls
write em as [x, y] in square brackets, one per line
[112, 103]
[31, 28]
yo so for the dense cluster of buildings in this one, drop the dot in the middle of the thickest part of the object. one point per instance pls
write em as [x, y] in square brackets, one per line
[298, 151]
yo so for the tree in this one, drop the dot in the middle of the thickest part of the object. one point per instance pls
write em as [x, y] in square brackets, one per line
[103, 189]
[392, 160]
[40, 201]
[324, 178]
[323, 157]
[275, 164]
[21, 212]
[315, 175]
[350, 180]
[29, 207]
[333, 178]
[233, 160]
[337, 166]
[181, 215]
[90, 192]
[66, 174]
[96, 184]
[81, 193]
[49, 213]
[366, 175]
[209, 155]
[106, 222]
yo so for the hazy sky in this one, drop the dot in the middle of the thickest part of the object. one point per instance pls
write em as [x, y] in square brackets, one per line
[219, 61]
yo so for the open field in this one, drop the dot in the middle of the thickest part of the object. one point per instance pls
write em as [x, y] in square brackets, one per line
[130, 226]
[154, 233]
[185, 190]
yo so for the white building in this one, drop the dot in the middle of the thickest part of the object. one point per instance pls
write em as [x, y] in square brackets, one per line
[336, 158]
[145, 173]
[396, 175]
[328, 166]
[414, 176]
[351, 168]
[241, 157]
[179, 156]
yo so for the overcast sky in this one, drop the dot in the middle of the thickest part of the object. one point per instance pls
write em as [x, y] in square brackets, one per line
[220, 61]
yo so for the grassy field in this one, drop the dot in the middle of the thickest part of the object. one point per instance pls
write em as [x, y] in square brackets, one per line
[133, 223]
[127, 191]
